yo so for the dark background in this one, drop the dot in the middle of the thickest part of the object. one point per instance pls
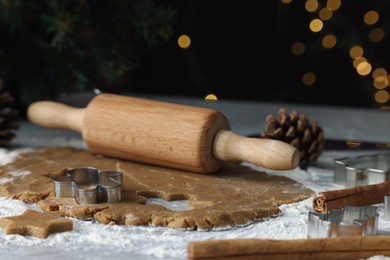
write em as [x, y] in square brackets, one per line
[241, 50]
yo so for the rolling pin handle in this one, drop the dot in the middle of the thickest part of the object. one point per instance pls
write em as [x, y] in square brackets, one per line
[267, 153]
[56, 115]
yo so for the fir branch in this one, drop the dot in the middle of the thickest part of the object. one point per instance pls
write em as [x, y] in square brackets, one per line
[61, 46]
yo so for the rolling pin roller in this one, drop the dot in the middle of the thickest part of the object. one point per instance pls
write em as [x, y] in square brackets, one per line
[161, 133]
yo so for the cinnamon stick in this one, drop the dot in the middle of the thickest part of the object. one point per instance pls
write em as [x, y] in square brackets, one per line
[356, 196]
[357, 247]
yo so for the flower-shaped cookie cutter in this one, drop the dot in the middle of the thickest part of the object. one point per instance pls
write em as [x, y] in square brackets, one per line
[90, 186]
[348, 221]
[362, 170]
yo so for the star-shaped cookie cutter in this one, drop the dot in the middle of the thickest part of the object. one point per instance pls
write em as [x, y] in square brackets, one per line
[362, 170]
[90, 186]
[348, 221]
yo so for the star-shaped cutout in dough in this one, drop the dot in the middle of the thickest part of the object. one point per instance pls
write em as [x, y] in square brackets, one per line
[37, 224]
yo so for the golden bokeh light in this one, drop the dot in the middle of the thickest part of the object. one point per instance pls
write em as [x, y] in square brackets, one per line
[298, 48]
[371, 17]
[376, 34]
[364, 68]
[329, 41]
[309, 78]
[379, 72]
[211, 97]
[356, 51]
[311, 5]
[380, 82]
[358, 60]
[325, 14]
[316, 25]
[286, 1]
[382, 96]
[184, 41]
[333, 4]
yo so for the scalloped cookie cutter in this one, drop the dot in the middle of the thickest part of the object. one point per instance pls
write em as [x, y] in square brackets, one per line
[362, 170]
[348, 221]
[90, 186]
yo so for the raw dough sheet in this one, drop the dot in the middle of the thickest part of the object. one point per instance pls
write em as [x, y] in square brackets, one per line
[90, 238]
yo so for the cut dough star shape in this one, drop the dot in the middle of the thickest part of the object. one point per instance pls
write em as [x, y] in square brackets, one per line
[37, 224]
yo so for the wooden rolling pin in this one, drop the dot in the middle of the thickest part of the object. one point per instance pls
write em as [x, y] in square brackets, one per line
[337, 248]
[161, 133]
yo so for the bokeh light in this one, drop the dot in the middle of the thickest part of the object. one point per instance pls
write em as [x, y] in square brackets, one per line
[364, 68]
[358, 60]
[311, 5]
[376, 35]
[382, 96]
[371, 17]
[325, 14]
[211, 97]
[298, 48]
[184, 41]
[309, 78]
[316, 25]
[356, 51]
[329, 41]
[333, 4]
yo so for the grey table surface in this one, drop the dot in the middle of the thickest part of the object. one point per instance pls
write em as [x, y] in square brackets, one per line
[246, 118]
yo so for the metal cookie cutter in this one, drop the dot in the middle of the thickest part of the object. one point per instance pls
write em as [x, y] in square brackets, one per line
[349, 221]
[387, 207]
[362, 170]
[90, 186]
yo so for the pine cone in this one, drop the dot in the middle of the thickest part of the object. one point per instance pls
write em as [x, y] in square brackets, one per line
[296, 130]
[8, 117]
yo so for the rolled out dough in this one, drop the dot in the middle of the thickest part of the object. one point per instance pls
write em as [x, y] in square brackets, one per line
[235, 195]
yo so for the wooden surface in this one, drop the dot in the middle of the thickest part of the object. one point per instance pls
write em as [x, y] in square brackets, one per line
[163, 133]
